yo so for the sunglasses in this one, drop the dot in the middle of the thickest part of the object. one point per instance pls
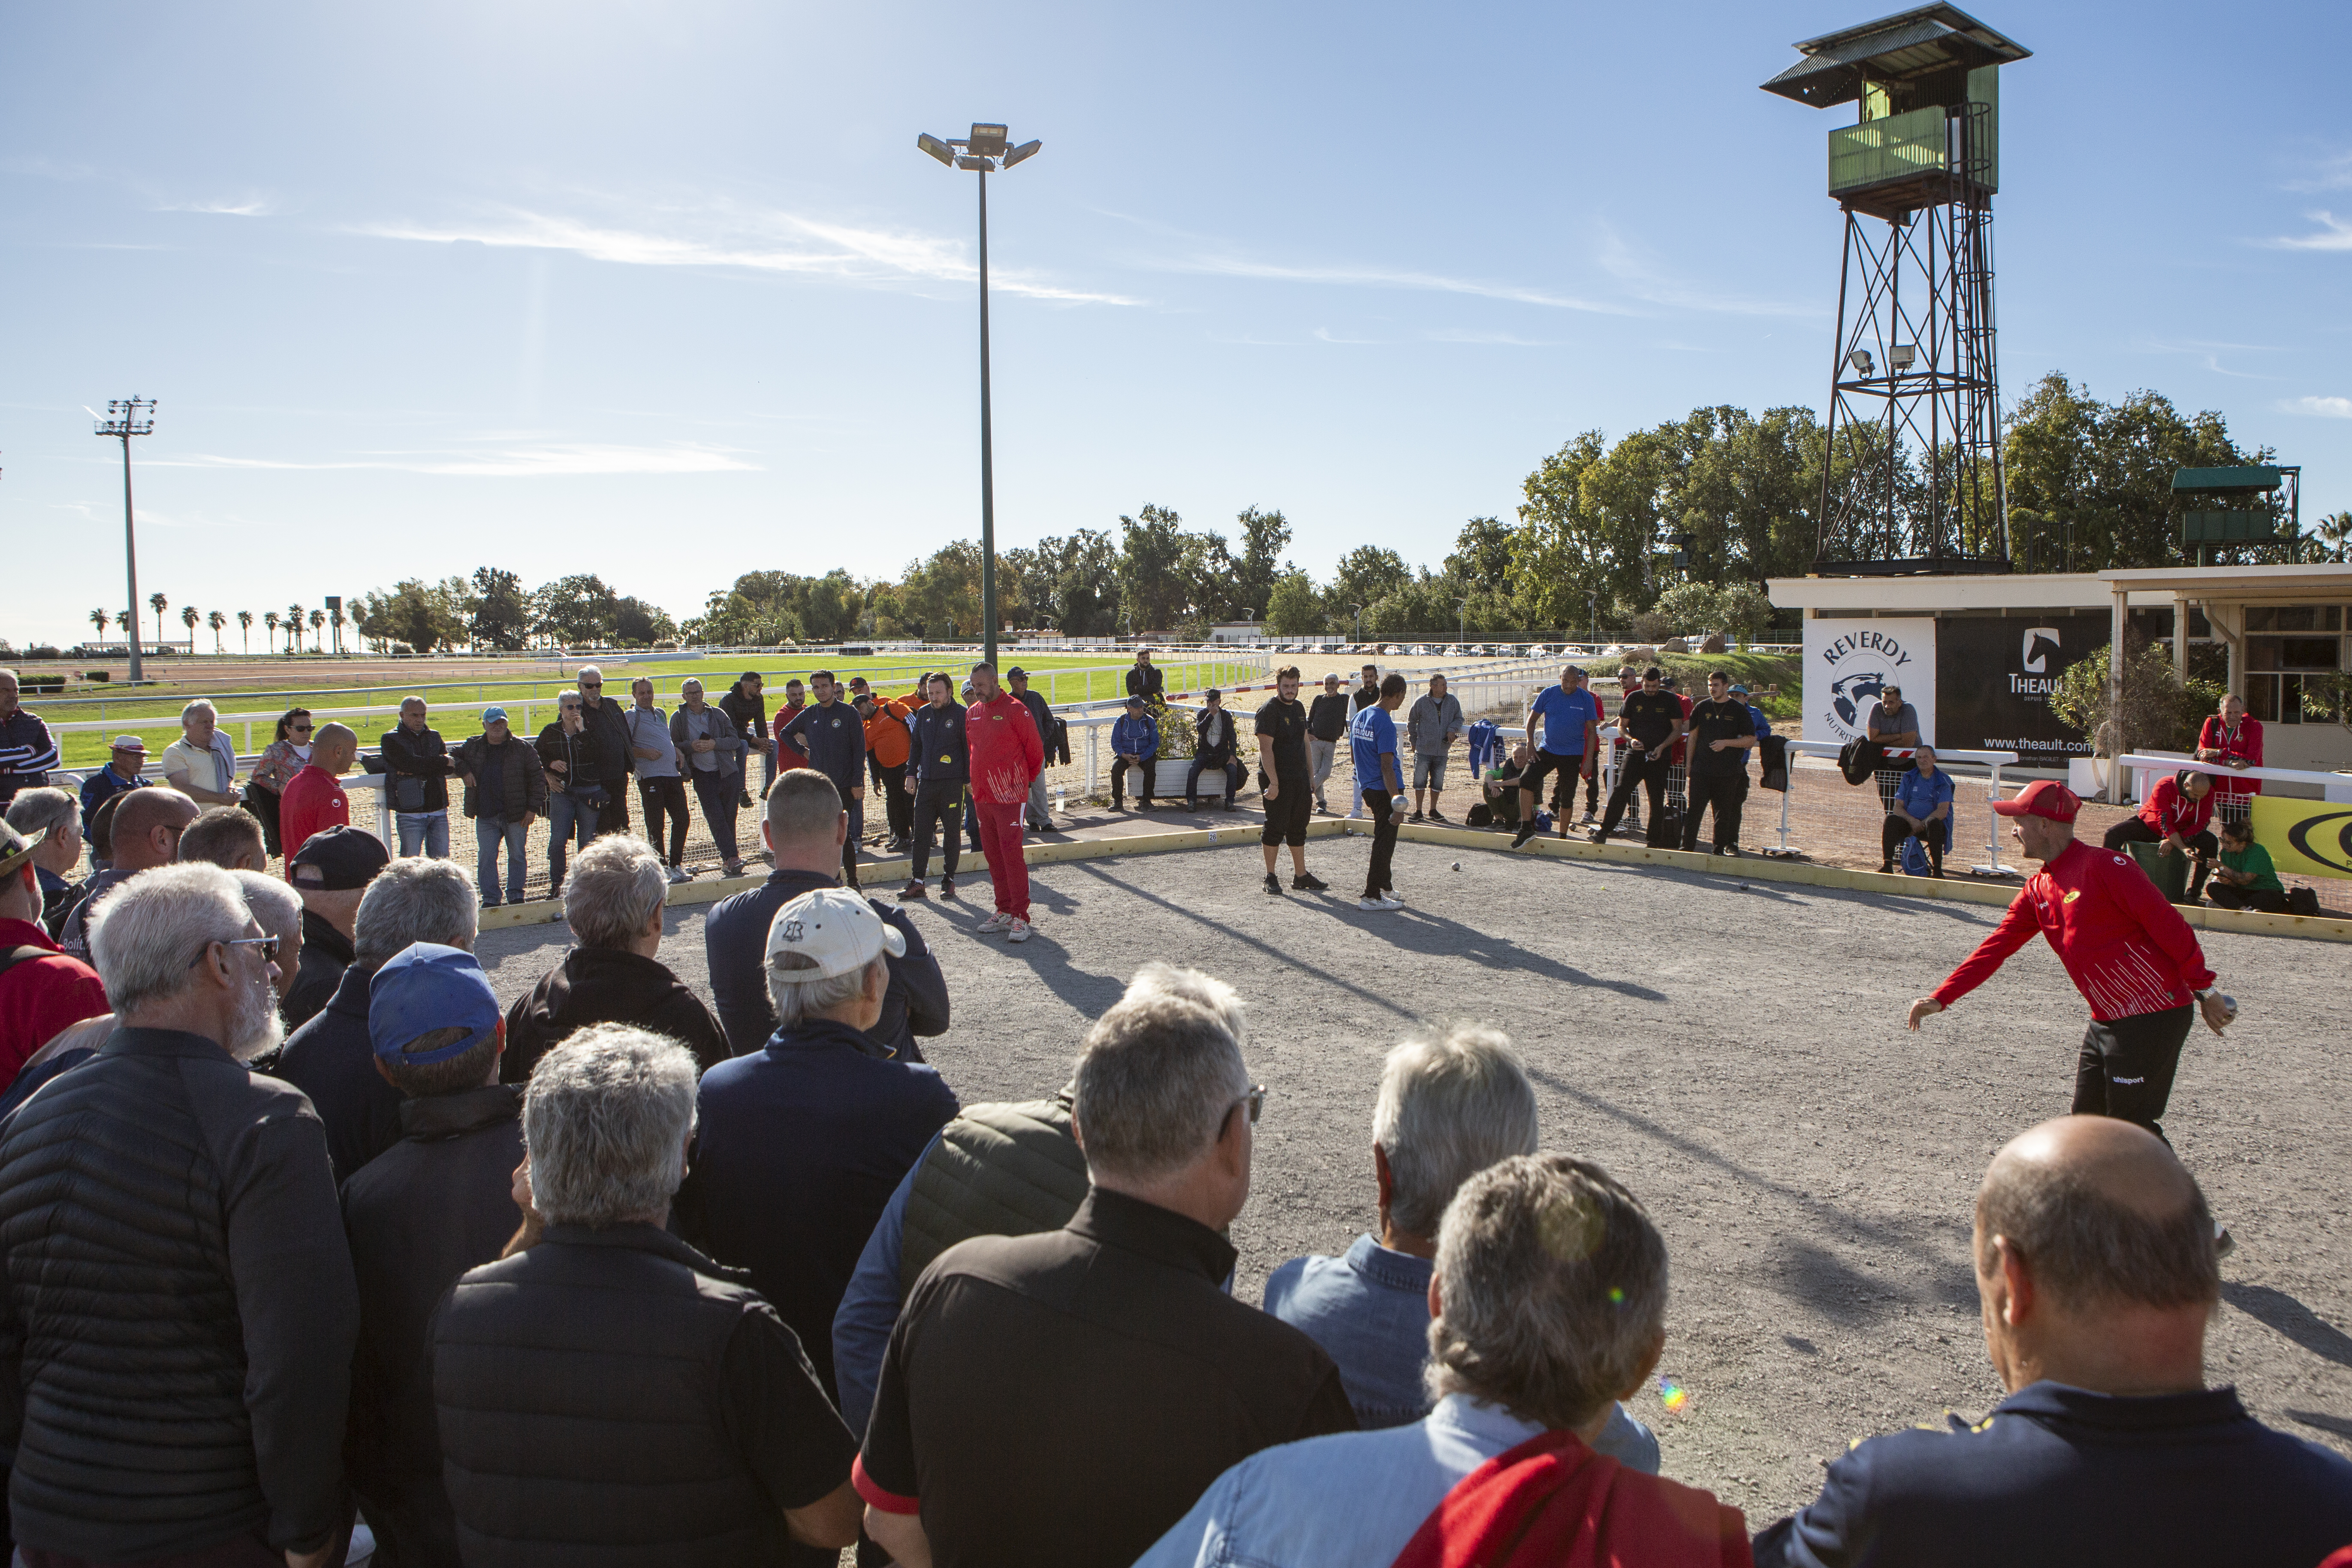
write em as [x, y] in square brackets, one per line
[297, 728]
[591, 685]
[1255, 1100]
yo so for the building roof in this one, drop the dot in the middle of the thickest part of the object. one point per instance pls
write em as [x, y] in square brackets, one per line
[1914, 43]
[2147, 586]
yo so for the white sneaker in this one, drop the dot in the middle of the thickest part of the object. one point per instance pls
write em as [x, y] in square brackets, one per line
[1018, 931]
[996, 922]
[1384, 902]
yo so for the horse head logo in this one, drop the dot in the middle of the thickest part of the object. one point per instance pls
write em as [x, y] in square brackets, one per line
[1849, 693]
[2041, 642]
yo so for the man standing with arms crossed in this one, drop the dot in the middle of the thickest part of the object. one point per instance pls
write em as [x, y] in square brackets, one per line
[1326, 727]
[1722, 733]
[1006, 755]
[1282, 728]
[1380, 784]
[1434, 724]
[1570, 717]
[2127, 950]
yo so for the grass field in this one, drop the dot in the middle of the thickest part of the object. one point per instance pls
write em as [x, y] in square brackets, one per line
[241, 686]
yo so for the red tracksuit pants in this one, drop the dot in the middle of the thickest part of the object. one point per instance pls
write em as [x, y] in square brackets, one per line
[1000, 841]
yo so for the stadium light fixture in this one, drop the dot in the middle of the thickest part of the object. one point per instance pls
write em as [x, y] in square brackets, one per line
[1902, 356]
[936, 148]
[126, 417]
[1860, 360]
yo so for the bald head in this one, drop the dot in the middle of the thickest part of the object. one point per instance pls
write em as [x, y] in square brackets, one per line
[334, 748]
[147, 827]
[2103, 1213]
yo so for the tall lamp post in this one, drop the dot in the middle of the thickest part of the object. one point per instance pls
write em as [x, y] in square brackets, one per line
[985, 152]
[125, 419]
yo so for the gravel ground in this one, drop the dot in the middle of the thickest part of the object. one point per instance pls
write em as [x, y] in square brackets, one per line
[1811, 1164]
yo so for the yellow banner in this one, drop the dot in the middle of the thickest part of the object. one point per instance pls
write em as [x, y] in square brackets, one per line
[2306, 838]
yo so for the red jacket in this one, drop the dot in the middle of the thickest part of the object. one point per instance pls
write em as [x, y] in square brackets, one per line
[788, 756]
[2244, 741]
[1006, 752]
[2170, 810]
[1553, 1502]
[2127, 950]
[312, 802]
[39, 996]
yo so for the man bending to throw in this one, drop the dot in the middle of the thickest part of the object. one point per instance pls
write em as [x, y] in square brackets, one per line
[1282, 727]
[2128, 952]
[1570, 717]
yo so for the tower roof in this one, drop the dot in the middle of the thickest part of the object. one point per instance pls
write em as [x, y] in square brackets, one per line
[1921, 42]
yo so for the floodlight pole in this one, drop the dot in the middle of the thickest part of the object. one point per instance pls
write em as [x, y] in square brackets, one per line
[126, 417]
[987, 457]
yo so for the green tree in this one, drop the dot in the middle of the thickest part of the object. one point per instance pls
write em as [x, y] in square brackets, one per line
[1068, 582]
[269, 621]
[1368, 574]
[1294, 608]
[636, 624]
[159, 604]
[189, 617]
[578, 610]
[216, 620]
[1153, 594]
[98, 619]
[1265, 536]
[1562, 553]
[501, 613]
[317, 625]
[245, 628]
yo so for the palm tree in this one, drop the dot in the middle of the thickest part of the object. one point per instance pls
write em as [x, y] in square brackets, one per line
[98, 619]
[189, 617]
[293, 628]
[270, 623]
[216, 620]
[122, 619]
[157, 603]
[318, 619]
[244, 625]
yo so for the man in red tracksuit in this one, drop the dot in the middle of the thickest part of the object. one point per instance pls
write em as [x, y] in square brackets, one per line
[2129, 953]
[1006, 753]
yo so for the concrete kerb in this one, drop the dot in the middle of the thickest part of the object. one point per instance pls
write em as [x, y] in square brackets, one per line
[1747, 867]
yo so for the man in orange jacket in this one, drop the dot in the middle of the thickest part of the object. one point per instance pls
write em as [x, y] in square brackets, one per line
[886, 743]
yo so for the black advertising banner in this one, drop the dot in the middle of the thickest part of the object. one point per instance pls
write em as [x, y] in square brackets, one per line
[1993, 679]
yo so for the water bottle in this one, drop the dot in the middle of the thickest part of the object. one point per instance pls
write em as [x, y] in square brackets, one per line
[1061, 800]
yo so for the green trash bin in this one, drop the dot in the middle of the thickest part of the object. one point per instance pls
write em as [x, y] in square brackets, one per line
[2169, 872]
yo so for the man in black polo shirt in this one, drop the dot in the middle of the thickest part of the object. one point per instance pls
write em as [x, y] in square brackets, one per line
[1289, 791]
[1722, 733]
[834, 736]
[1065, 1397]
[1650, 720]
[2098, 1276]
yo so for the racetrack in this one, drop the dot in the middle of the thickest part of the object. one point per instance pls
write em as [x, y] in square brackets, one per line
[1738, 1058]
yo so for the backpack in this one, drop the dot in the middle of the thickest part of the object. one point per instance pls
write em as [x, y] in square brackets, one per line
[2302, 901]
[1479, 816]
[1915, 857]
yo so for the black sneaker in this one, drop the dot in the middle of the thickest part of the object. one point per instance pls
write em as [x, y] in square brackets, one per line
[1596, 837]
[947, 887]
[1308, 882]
[1436, 815]
[1191, 805]
[1414, 818]
[1272, 883]
[912, 891]
[1526, 831]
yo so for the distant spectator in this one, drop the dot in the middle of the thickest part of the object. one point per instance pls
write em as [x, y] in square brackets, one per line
[122, 772]
[714, 753]
[145, 833]
[995, 1169]
[53, 815]
[2246, 878]
[331, 871]
[2098, 1278]
[41, 989]
[1216, 743]
[1892, 722]
[2176, 816]
[832, 735]
[201, 764]
[419, 1215]
[661, 787]
[1326, 728]
[185, 1401]
[580, 770]
[1449, 1107]
[506, 792]
[614, 906]
[801, 1143]
[1434, 724]
[1133, 1391]
[1367, 689]
[27, 752]
[887, 747]
[604, 720]
[553, 1365]
[1134, 744]
[417, 768]
[288, 753]
[279, 910]
[1922, 810]
[2234, 740]
[330, 1059]
[1039, 818]
[1145, 678]
[226, 837]
[315, 801]
[1549, 1307]
[1501, 786]
[746, 704]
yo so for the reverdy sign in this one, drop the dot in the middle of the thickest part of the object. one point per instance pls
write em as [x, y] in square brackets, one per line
[1848, 663]
[1997, 676]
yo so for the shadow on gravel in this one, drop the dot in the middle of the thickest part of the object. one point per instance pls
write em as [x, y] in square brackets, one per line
[2335, 1424]
[1966, 914]
[2291, 1319]
[1491, 952]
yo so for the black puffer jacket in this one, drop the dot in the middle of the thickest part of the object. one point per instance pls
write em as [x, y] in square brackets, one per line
[418, 762]
[177, 1327]
[607, 985]
[508, 780]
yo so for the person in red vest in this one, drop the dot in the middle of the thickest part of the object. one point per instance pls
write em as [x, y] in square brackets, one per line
[2234, 740]
[1007, 754]
[2178, 814]
[41, 989]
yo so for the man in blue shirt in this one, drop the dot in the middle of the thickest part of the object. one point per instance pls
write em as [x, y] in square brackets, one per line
[1922, 809]
[1379, 784]
[122, 772]
[1570, 717]
[2098, 1277]
[1134, 744]
[834, 736]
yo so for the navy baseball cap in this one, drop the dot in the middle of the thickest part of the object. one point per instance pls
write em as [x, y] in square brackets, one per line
[340, 857]
[1135, 702]
[428, 1003]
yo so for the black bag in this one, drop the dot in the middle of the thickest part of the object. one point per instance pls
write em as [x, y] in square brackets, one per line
[1858, 760]
[1774, 752]
[1479, 816]
[2302, 901]
[1664, 828]
[408, 793]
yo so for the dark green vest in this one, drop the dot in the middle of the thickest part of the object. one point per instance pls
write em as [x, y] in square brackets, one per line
[997, 1170]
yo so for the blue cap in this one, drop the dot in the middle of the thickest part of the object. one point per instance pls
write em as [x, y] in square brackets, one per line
[492, 712]
[426, 988]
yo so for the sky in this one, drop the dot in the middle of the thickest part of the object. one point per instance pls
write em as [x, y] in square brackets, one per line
[666, 292]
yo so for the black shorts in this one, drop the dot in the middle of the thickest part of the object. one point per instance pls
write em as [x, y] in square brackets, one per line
[1545, 763]
[1287, 815]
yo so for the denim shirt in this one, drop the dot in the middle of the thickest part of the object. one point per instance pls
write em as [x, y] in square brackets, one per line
[1369, 1311]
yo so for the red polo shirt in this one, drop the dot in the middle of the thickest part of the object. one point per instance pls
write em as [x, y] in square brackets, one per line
[39, 996]
[313, 802]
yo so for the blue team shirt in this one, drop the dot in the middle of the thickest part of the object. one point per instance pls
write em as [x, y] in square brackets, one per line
[1369, 733]
[1919, 797]
[1565, 715]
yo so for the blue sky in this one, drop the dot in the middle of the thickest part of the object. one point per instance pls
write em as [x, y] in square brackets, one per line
[665, 291]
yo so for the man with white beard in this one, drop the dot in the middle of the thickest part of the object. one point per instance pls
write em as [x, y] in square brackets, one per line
[191, 1202]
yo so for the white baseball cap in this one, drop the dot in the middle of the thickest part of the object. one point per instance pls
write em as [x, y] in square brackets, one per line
[836, 930]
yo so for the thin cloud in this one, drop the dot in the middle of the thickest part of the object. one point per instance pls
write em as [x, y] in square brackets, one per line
[1506, 339]
[2334, 174]
[252, 207]
[2336, 235]
[759, 241]
[1642, 278]
[2325, 408]
[1230, 266]
[544, 460]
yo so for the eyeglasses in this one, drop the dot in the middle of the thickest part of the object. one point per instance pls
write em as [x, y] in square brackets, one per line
[1255, 1100]
[297, 728]
[267, 944]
